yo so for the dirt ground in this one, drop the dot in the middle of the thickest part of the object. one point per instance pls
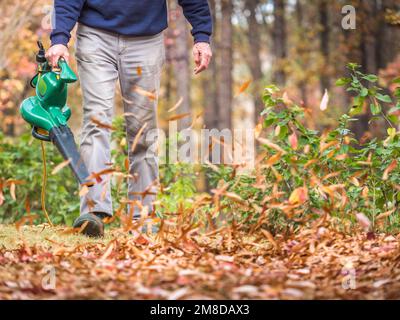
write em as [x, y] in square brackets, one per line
[40, 262]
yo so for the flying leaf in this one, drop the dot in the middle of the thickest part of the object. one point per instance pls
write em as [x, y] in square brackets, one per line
[363, 221]
[137, 137]
[149, 95]
[325, 101]
[244, 86]
[177, 105]
[60, 166]
[100, 124]
[179, 116]
[271, 145]
[84, 191]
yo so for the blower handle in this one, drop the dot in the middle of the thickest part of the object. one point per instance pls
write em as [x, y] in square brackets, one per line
[65, 72]
[39, 136]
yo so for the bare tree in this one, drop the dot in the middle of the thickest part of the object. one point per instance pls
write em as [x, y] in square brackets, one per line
[279, 36]
[180, 59]
[225, 55]
[253, 57]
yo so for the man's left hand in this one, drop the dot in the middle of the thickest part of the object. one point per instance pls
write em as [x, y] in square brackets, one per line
[202, 56]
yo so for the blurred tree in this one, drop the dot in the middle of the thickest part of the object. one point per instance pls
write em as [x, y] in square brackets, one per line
[254, 52]
[179, 57]
[225, 64]
[279, 35]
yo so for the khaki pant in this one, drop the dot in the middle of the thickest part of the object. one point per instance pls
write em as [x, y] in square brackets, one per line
[103, 58]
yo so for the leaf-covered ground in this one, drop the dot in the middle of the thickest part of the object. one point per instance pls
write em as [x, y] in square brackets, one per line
[316, 263]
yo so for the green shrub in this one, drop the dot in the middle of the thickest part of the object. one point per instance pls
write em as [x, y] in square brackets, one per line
[21, 160]
[306, 174]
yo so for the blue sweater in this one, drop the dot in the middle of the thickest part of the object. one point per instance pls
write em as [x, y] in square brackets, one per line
[127, 17]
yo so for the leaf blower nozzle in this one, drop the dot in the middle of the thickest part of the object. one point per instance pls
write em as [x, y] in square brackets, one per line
[48, 112]
[63, 139]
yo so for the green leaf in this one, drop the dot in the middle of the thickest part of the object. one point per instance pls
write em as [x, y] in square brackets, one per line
[283, 133]
[342, 82]
[375, 108]
[383, 98]
[353, 66]
[397, 80]
[391, 132]
[364, 92]
[355, 110]
[394, 119]
[371, 78]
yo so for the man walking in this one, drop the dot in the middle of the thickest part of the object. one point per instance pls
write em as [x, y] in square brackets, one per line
[121, 40]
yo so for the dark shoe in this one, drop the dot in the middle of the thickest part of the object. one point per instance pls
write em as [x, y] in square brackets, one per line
[94, 227]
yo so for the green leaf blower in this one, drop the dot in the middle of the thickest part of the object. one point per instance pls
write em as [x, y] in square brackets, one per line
[48, 113]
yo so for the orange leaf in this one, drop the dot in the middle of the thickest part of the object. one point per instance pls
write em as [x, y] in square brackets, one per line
[60, 166]
[293, 140]
[274, 159]
[137, 137]
[299, 196]
[385, 214]
[179, 116]
[101, 124]
[270, 238]
[149, 95]
[177, 105]
[12, 191]
[389, 169]
[271, 145]
[244, 86]
[84, 191]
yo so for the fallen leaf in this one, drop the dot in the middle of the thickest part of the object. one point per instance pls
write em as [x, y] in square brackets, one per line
[389, 169]
[299, 196]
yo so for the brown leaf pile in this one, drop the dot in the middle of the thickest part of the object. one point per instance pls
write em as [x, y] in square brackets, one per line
[223, 264]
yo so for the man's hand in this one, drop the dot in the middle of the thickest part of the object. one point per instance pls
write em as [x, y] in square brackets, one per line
[202, 56]
[55, 53]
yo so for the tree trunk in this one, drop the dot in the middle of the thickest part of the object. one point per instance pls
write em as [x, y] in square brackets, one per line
[279, 41]
[225, 83]
[369, 58]
[181, 62]
[210, 87]
[254, 58]
[300, 22]
[324, 42]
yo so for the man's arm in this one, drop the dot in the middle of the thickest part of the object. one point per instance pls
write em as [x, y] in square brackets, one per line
[197, 12]
[67, 13]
